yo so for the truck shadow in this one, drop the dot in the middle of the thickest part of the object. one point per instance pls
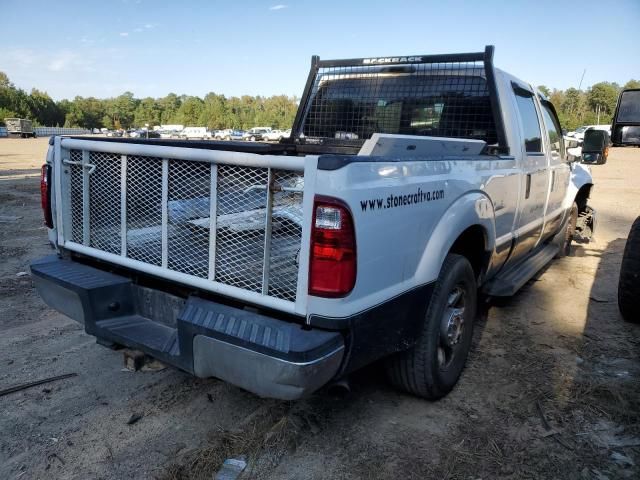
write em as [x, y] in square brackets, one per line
[552, 378]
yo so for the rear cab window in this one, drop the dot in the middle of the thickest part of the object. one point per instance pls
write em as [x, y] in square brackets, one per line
[530, 124]
[418, 101]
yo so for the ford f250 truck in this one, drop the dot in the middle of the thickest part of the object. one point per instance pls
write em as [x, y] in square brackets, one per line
[409, 186]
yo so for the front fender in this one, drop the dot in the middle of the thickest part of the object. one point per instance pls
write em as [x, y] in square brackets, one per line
[473, 208]
[580, 176]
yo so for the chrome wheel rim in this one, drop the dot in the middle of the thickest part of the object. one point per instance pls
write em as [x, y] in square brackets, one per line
[452, 326]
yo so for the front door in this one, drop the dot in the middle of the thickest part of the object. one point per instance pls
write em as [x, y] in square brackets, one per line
[535, 175]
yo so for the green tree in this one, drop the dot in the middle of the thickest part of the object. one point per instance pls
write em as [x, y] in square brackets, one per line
[545, 90]
[4, 81]
[86, 113]
[632, 84]
[190, 112]
[121, 110]
[169, 106]
[44, 110]
[214, 113]
[602, 97]
[147, 112]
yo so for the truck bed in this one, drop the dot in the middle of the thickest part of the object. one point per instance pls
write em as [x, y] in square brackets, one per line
[231, 222]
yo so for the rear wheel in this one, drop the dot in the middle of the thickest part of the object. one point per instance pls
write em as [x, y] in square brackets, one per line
[431, 368]
[629, 283]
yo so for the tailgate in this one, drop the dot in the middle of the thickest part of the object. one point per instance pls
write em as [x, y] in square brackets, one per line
[228, 222]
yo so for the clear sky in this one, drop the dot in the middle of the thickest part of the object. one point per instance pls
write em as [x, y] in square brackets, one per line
[153, 47]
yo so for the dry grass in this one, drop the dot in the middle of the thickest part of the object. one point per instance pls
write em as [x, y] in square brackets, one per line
[263, 438]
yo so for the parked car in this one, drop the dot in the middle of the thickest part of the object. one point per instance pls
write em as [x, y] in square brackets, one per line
[151, 134]
[114, 133]
[255, 134]
[229, 134]
[276, 135]
[195, 133]
[167, 134]
[291, 265]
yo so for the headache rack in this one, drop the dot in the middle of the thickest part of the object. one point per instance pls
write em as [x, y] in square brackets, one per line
[226, 222]
[346, 101]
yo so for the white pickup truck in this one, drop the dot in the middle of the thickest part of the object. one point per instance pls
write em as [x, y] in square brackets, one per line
[409, 186]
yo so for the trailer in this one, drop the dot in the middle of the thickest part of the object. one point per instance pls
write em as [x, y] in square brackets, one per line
[19, 127]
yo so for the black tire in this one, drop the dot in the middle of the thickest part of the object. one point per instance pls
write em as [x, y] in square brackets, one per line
[629, 283]
[564, 237]
[431, 368]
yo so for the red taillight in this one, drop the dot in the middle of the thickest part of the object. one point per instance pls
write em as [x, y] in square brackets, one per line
[45, 195]
[332, 266]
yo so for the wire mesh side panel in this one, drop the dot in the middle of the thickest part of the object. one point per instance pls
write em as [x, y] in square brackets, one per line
[104, 202]
[240, 225]
[286, 234]
[75, 173]
[144, 209]
[188, 213]
[430, 99]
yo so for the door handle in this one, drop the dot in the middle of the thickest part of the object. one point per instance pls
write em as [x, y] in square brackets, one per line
[527, 190]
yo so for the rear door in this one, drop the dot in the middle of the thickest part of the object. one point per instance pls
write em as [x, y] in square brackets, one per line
[535, 173]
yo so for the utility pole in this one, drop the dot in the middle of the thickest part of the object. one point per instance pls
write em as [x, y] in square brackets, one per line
[582, 78]
[579, 87]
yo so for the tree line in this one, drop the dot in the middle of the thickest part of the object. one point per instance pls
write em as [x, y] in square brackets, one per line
[214, 111]
[575, 107]
[594, 106]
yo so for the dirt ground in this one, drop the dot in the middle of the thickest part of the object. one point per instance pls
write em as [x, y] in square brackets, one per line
[551, 389]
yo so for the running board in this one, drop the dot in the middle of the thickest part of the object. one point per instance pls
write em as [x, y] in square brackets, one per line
[509, 281]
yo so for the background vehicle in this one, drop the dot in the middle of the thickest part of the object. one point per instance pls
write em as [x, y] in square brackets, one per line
[276, 135]
[195, 133]
[408, 188]
[255, 134]
[19, 127]
[229, 134]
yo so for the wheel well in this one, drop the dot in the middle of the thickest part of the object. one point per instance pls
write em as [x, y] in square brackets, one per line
[472, 243]
[583, 196]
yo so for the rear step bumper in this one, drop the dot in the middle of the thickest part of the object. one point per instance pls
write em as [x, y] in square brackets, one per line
[265, 355]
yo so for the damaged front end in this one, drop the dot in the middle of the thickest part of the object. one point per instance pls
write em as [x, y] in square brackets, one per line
[585, 226]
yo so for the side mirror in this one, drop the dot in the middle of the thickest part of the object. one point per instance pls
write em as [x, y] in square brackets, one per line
[595, 147]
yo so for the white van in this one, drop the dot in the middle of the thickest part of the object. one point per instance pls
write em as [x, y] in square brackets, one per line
[195, 133]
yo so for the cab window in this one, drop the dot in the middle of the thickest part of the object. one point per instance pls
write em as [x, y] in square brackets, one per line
[551, 123]
[530, 124]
